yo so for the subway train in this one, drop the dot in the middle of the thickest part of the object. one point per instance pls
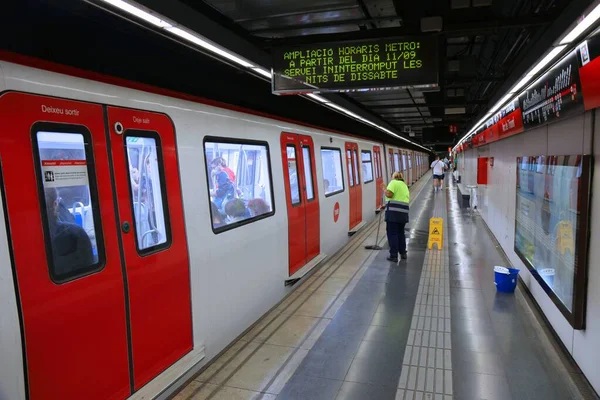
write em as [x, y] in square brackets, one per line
[144, 231]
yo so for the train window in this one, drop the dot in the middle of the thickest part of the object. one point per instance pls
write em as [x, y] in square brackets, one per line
[69, 200]
[396, 163]
[367, 166]
[293, 174]
[146, 185]
[349, 165]
[308, 179]
[333, 179]
[404, 163]
[356, 170]
[239, 181]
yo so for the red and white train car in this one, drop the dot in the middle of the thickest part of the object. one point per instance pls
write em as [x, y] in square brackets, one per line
[143, 230]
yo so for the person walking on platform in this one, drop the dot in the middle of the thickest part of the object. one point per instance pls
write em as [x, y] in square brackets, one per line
[396, 215]
[438, 173]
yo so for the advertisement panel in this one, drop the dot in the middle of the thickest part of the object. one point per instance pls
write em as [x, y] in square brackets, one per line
[551, 225]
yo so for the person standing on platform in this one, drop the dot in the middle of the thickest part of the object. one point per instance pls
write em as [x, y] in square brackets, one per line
[438, 173]
[396, 215]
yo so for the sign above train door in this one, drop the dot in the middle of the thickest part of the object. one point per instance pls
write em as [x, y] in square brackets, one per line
[369, 64]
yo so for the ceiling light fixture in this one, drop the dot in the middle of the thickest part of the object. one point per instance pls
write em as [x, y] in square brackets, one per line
[263, 72]
[582, 26]
[138, 12]
[208, 46]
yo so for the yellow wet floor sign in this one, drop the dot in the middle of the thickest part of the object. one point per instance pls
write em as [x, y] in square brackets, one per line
[436, 230]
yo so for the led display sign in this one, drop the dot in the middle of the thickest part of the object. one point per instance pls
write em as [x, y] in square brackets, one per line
[355, 65]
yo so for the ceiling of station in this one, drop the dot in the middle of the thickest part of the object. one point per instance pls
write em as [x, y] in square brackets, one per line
[481, 41]
[484, 45]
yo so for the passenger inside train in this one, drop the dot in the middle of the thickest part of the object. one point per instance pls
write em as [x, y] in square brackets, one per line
[146, 191]
[71, 246]
[332, 170]
[238, 181]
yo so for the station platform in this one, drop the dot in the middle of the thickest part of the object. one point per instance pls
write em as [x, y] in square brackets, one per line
[430, 327]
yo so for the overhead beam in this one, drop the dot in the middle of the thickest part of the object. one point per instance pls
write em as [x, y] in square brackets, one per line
[450, 28]
[427, 105]
[316, 25]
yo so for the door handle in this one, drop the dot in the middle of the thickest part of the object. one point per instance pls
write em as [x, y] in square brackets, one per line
[126, 227]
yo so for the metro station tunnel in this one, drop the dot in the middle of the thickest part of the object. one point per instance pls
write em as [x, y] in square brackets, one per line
[303, 200]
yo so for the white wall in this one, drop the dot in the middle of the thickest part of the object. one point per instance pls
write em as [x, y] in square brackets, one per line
[497, 208]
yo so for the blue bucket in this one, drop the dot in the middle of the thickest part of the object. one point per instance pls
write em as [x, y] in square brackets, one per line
[505, 279]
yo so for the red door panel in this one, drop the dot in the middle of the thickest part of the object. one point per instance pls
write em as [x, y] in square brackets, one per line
[311, 196]
[358, 188]
[74, 328]
[295, 205]
[378, 176]
[355, 192]
[157, 264]
[301, 190]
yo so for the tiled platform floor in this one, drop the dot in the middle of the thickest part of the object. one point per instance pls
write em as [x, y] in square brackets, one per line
[431, 327]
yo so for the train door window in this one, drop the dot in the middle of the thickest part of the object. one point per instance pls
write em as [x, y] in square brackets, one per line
[146, 183]
[333, 179]
[404, 163]
[396, 163]
[356, 169]
[350, 170]
[69, 203]
[310, 194]
[239, 181]
[367, 166]
[293, 174]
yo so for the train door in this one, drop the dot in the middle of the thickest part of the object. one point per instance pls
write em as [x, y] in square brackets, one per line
[378, 176]
[302, 199]
[352, 161]
[152, 233]
[65, 249]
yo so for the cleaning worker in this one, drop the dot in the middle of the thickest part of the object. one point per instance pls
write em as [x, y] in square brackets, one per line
[396, 215]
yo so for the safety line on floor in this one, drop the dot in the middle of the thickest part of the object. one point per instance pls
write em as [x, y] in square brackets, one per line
[427, 364]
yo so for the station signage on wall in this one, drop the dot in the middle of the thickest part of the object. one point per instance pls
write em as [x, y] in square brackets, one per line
[507, 122]
[356, 65]
[556, 95]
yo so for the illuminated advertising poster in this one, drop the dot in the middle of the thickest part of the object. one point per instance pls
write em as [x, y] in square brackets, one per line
[551, 219]
[355, 65]
[556, 95]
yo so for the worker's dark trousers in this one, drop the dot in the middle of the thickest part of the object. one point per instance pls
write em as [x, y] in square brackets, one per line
[396, 238]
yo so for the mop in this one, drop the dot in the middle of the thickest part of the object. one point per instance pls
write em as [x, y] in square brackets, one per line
[376, 246]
